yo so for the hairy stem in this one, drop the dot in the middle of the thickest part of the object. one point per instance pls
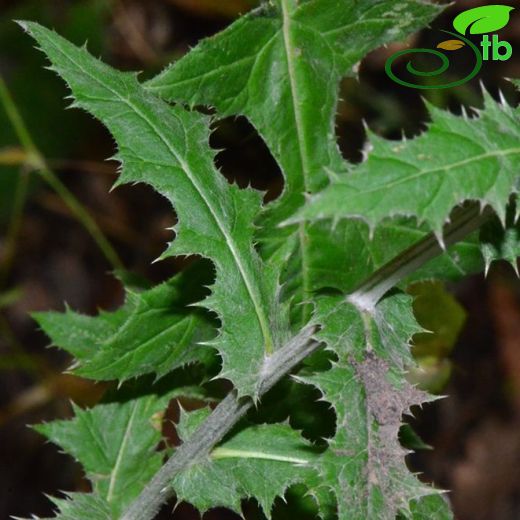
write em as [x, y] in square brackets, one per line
[230, 410]
[38, 162]
[464, 222]
[219, 423]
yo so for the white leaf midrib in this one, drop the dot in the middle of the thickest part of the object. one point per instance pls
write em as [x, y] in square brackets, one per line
[262, 319]
[302, 148]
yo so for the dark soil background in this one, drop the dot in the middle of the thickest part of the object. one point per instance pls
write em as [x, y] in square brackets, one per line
[47, 258]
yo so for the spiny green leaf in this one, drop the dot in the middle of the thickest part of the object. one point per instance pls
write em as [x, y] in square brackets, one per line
[154, 332]
[167, 147]
[499, 242]
[290, 56]
[79, 506]
[280, 66]
[455, 160]
[258, 462]
[116, 442]
[484, 19]
[364, 463]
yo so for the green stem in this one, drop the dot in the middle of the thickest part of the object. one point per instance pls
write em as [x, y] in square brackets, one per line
[217, 425]
[37, 161]
[464, 221]
[15, 225]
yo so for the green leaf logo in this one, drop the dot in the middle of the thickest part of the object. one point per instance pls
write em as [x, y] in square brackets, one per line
[481, 20]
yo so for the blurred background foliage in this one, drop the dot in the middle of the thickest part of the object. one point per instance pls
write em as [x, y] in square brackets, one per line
[62, 234]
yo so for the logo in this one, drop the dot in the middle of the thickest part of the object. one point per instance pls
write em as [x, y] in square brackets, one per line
[481, 20]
